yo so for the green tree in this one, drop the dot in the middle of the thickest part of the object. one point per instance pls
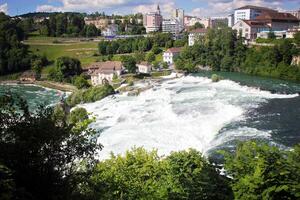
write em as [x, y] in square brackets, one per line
[261, 171]
[297, 38]
[78, 115]
[150, 57]
[37, 68]
[64, 68]
[42, 154]
[129, 63]
[81, 82]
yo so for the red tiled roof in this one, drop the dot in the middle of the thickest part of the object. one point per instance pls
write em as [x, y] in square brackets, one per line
[256, 24]
[199, 30]
[144, 63]
[174, 50]
[107, 67]
[277, 16]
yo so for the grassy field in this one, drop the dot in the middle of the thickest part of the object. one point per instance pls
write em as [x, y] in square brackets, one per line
[53, 48]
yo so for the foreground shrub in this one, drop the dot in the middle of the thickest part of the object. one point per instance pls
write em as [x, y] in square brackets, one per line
[144, 175]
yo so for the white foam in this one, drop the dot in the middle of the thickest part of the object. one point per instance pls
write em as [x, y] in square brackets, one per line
[178, 114]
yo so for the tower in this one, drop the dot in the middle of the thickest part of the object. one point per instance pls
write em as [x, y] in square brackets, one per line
[158, 9]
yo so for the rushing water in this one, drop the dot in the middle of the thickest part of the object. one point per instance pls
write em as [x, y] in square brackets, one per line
[193, 112]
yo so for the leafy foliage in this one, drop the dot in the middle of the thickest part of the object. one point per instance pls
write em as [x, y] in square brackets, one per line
[14, 55]
[64, 68]
[261, 171]
[41, 155]
[90, 95]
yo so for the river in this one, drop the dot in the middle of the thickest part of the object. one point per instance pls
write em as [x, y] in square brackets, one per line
[193, 112]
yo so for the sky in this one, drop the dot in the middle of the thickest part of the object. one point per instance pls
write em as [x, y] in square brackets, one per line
[199, 8]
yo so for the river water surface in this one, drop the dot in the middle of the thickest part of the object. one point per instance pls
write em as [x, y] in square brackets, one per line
[193, 112]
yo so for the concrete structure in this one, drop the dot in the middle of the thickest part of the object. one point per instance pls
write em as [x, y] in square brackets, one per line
[278, 21]
[171, 26]
[178, 14]
[249, 29]
[205, 22]
[100, 23]
[171, 54]
[278, 34]
[153, 21]
[105, 71]
[196, 35]
[230, 20]
[292, 31]
[249, 12]
[144, 68]
[110, 30]
[216, 22]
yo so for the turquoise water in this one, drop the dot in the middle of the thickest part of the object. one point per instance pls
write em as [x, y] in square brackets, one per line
[34, 95]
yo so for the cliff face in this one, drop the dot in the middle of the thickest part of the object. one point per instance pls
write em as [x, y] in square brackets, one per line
[296, 60]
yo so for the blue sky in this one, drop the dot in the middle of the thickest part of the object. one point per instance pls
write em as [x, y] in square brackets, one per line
[192, 7]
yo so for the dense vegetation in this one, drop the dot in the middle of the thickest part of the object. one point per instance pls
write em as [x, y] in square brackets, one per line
[42, 153]
[14, 56]
[223, 50]
[131, 45]
[90, 95]
[67, 24]
[65, 67]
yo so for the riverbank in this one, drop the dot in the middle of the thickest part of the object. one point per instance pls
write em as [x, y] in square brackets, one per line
[48, 84]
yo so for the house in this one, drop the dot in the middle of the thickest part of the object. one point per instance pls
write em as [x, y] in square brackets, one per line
[278, 21]
[153, 21]
[196, 34]
[110, 30]
[249, 29]
[171, 54]
[144, 68]
[105, 71]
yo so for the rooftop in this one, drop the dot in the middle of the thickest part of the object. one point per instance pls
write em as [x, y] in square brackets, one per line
[255, 7]
[199, 30]
[256, 24]
[277, 16]
[174, 50]
[107, 67]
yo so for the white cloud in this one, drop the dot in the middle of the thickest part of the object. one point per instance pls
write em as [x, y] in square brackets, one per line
[224, 7]
[88, 5]
[166, 7]
[4, 8]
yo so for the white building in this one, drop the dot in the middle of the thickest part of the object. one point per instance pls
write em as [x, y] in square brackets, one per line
[144, 68]
[249, 29]
[278, 34]
[171, 54]
[196, 34]
[179, 15]
[230, 20]
[249, 13]
[105, 71]
[110, 30]
[292, 31]
[171, 26]
[296, 13]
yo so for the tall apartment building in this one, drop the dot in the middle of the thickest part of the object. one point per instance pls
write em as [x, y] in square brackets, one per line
[250, 13]
[153, 21]
[179, 15]
[171, 26]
